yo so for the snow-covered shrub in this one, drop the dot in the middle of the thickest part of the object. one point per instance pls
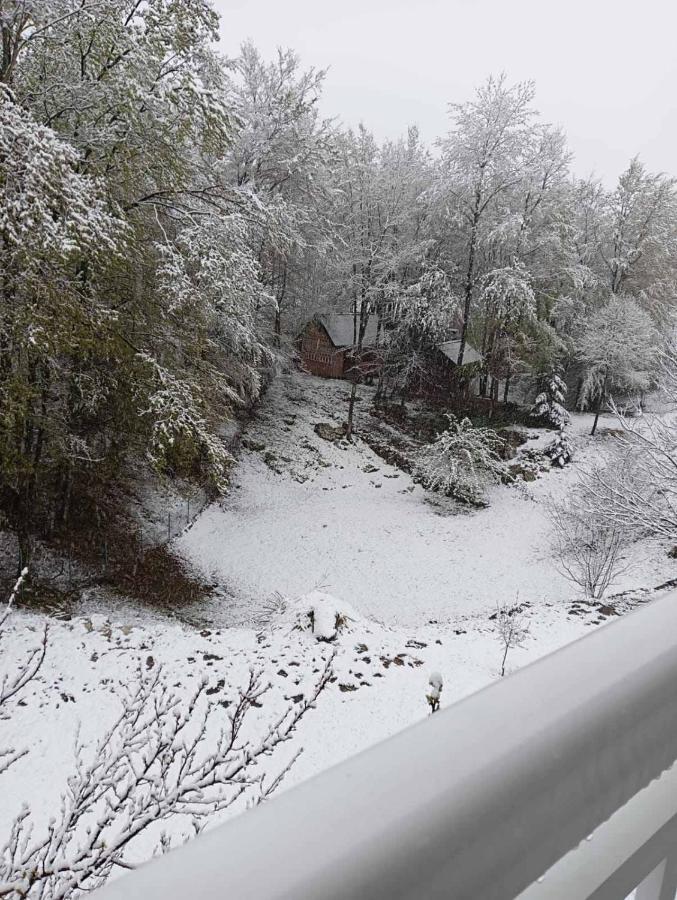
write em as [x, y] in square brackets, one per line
[560, 449]
[549, 404]
[434, 694]
[588, 546]
[462, 462]
[324, 615]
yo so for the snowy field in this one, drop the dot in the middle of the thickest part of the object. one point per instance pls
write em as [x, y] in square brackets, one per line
[306, 513]
[416, 577]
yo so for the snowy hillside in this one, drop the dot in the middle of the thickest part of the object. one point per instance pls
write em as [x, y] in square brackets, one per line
[321, 549]
[308, 513]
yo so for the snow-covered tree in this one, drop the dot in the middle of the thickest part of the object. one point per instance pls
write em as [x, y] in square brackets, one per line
[549, 405]
[512, 629]
[484, 156]
[281, 153]
[618, 352]
[634, 490]
[560, 450]
[131, 260]
[423, 317]
[58, 235]
[378, 190]
[507, 306]
[615, 243]
[462, 462]
[640, 237]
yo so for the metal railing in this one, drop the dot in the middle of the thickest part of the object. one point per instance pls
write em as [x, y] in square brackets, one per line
[554, 766]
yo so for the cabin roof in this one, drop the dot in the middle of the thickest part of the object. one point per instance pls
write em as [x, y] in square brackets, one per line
[341, 329]
[451, 349]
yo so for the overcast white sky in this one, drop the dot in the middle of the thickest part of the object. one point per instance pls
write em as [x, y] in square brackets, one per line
[606, 70]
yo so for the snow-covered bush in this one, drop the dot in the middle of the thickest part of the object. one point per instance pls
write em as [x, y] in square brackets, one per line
[588, 546]
[561, 449]
[321, 614]
[462, 462]
[324, 615]
[434, 693]
[549, 404]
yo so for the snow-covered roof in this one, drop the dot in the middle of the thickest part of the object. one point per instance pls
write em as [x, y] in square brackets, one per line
[341, 329]
[451, 350]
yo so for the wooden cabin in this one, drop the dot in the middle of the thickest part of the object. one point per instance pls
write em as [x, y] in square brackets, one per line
[443, 373]
[326, 346]
[437, 374]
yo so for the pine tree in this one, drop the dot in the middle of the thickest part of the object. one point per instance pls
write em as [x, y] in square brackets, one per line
[549, 405]
[560, 450]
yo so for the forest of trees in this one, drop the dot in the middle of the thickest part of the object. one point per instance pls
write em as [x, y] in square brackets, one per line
[170, 218]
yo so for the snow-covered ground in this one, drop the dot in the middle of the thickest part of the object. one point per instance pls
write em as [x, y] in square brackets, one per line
[307, 513]
[417, 577]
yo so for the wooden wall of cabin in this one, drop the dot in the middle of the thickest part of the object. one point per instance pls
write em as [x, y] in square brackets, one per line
[318, 355]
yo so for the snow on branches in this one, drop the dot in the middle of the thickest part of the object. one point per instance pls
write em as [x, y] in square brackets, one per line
[20, 674]
[619, 352]
[560, 450]
[549, 404]
[634, 489]
[462, 462]
[48, 210]
[508, 295]
[512, 629]
[209, 275]
[173, 409]
[588, 544]
[163, 758]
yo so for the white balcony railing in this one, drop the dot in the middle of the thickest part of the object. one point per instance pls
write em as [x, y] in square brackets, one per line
[555, 766]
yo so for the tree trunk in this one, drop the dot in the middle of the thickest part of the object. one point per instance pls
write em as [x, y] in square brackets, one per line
[280, 292]
[470, 275]
[484, 376]
[380, 387]
[503, 661]
[506, 389]
[597, 412]
[277, 327]
[351, 410]
[579, 388]
[25, 546]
